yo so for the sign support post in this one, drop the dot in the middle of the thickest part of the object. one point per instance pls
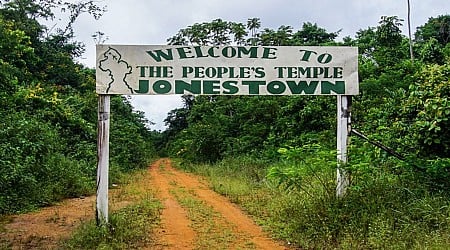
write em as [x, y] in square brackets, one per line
[343, 139]
[103, 159]
[223, 70]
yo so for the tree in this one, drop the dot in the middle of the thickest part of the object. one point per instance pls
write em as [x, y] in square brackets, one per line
[48, 103]
[311, 34]
[238, 29]
[281, 37]
[220, 32]
[428, 108]
[214, 127]
[217, 32]
[176, 121]
[253, 24]
[389, 39]
[437, 28]
[432, 40]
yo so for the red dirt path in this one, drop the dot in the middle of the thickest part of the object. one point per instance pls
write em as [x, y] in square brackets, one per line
[45, 228]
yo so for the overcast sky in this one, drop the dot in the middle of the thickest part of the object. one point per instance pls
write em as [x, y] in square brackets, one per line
[153, 21]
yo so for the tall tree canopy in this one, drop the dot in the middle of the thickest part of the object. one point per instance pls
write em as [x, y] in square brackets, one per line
[401, 101]
[48, 110]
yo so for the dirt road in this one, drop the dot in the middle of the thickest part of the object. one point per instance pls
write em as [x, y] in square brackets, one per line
[231, 228]
[194, 217]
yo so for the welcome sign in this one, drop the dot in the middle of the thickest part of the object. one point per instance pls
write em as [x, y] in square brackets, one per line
[226, 70]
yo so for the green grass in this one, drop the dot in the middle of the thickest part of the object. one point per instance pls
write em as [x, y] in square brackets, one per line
[212, 230]
[4, 219]
[128, 228]
[382, 210]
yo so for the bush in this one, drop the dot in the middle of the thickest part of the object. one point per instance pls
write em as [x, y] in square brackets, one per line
[127, 228]
[386, 206]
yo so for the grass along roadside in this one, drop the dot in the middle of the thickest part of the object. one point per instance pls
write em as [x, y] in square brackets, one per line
[128, 228]
[137, 212]
[242, 182]
[212, 230]
[383, 211]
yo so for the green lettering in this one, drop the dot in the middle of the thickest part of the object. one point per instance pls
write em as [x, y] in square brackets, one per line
[302, 86]
[221, 71]
[338, 72]
[326, 73]
[268, 52]
[167, 71]
[211, 52]
[253, 51]
[292, 72]
[227, 50]
[303, 71]
[199, 52]
[276, 87]
[325, 58]
[199, 72]
[211, 72]
[143, 87]
[259, 72]
[317, 71]
[307, 55]
[154, 71]
[253, 86]
[338, 87]
[142, 70]
[280, 71]
[184, 51]
[186, 71]
[230, 87]
[162, 87]
[211, 87]
[158, 54]
[244, 72]
[181, 87]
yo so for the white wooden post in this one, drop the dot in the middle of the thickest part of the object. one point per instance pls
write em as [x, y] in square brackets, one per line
[102, 159]
[343, 132]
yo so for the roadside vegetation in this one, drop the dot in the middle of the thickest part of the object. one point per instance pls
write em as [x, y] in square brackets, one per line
[295, 201]
[211, 228]
[276, 156]
[273, 155]
[130, 226]
[48, 105]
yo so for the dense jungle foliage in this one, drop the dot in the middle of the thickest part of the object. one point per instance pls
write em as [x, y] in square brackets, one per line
[403, 102]
[48, 132]
[276, 155]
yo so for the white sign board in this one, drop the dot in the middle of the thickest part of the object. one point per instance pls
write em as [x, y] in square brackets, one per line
[226, 70]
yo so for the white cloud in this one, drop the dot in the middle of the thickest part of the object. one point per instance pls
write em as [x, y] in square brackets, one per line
[156, 107]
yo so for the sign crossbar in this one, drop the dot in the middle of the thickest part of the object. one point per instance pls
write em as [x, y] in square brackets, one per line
[223, 70]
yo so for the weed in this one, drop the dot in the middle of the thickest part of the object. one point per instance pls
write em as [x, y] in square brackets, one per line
[211, 228]
[128, 228]
[383, 209]
[4, 219]
[55, 218]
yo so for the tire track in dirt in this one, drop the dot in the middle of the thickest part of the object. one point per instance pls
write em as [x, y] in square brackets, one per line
[45, 228]
[174, 232]
[163, 175]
